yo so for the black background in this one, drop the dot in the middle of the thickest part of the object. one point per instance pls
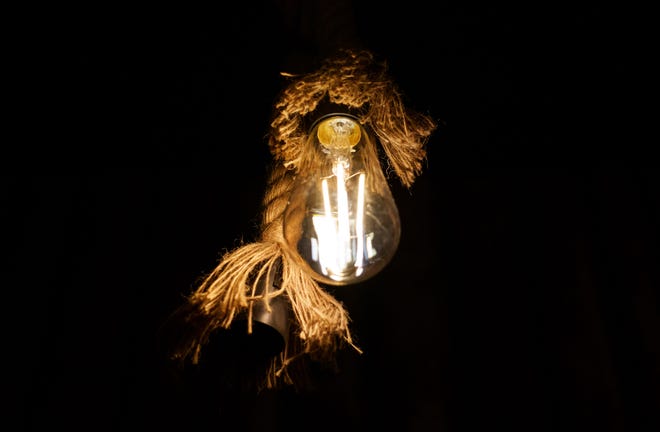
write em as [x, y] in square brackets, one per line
[523, 295]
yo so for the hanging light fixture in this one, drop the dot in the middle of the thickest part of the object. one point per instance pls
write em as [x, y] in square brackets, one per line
[329, 217]
[341, 218]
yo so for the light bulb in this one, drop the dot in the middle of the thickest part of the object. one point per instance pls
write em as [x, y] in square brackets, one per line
[341, 217]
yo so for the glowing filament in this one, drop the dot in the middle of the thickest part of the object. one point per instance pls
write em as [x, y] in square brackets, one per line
[335, 248]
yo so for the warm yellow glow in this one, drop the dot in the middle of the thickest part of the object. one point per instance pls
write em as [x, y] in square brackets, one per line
[338, 133]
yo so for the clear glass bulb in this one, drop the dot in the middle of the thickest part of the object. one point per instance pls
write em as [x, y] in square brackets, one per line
[341, 217]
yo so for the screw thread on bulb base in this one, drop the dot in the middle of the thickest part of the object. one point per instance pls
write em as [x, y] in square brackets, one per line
[338, 132]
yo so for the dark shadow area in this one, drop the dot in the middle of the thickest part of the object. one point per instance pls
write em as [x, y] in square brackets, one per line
[524, 292]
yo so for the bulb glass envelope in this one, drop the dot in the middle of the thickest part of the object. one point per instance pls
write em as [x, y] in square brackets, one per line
[341, 218]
